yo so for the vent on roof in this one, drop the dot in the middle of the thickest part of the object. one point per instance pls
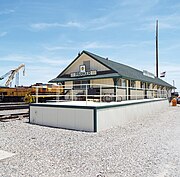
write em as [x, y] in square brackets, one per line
[87, 64]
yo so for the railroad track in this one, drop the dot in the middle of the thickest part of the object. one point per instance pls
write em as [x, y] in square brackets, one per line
[13, 106]
[13, 111]
[12, 103]
[6, 117]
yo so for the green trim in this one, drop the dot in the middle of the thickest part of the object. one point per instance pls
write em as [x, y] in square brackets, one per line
[95, 120]
[93, 107]
[62, 106]
[106, 76]
[127, 104]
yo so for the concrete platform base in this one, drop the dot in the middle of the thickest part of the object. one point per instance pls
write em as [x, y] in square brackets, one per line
[93, 116]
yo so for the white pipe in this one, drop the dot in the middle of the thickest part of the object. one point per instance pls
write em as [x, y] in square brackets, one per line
[36, 94]
[86, 94]
[100, 93]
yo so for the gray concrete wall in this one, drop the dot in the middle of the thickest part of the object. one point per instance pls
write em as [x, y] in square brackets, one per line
[98, 117]
[69, 118]
[111, 117]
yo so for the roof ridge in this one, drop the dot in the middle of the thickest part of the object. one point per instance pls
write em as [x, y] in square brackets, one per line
[90, 53]
[122, 70]
[111, 61]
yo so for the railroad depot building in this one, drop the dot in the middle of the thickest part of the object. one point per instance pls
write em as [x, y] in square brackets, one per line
[96, 75]
[94, 90]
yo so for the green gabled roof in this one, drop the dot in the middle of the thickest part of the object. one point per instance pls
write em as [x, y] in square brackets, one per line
[127, 72]
[120, 70]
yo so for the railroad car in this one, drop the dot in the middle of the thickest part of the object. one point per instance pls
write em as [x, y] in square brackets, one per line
[26, 94]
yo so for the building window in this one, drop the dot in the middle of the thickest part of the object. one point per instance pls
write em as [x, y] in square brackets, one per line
[153, 86]
[123, 82]
[87, 64]
[159, 87]
[80, 84]
[119, 82]
[148, 85]
[142, 84]
[133, 83]
[76, 84]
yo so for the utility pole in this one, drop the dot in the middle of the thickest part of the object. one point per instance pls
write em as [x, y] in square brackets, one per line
[174, 85]
[156, 48]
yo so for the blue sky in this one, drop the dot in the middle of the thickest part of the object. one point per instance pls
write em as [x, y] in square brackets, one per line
[47, 35]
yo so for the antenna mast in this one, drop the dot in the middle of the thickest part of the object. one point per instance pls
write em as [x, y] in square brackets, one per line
[156, 48]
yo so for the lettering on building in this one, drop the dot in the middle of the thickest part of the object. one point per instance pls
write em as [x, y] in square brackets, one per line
[147, 73]
[86, 73]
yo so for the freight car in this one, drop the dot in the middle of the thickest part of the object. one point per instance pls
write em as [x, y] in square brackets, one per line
[45, 92]
[19, 94]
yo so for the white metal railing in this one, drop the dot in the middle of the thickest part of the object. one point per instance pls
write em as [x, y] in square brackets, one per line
[81, 92]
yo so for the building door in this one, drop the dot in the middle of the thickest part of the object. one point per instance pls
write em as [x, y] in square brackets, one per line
[129, 90]
[78, 84]
[145, 91]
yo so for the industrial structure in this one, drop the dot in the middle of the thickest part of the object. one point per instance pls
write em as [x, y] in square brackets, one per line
[25, 93]
[11, 75]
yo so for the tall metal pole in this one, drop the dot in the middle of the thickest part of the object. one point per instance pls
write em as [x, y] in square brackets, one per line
[156, 48]
[174, 85]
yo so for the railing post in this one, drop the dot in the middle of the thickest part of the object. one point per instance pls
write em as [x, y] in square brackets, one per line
[86, 94]
[37, 94]
[127, 95]
[57, 94]
[72, 94]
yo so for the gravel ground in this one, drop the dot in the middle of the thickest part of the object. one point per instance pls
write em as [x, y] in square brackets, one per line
[149, 148]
